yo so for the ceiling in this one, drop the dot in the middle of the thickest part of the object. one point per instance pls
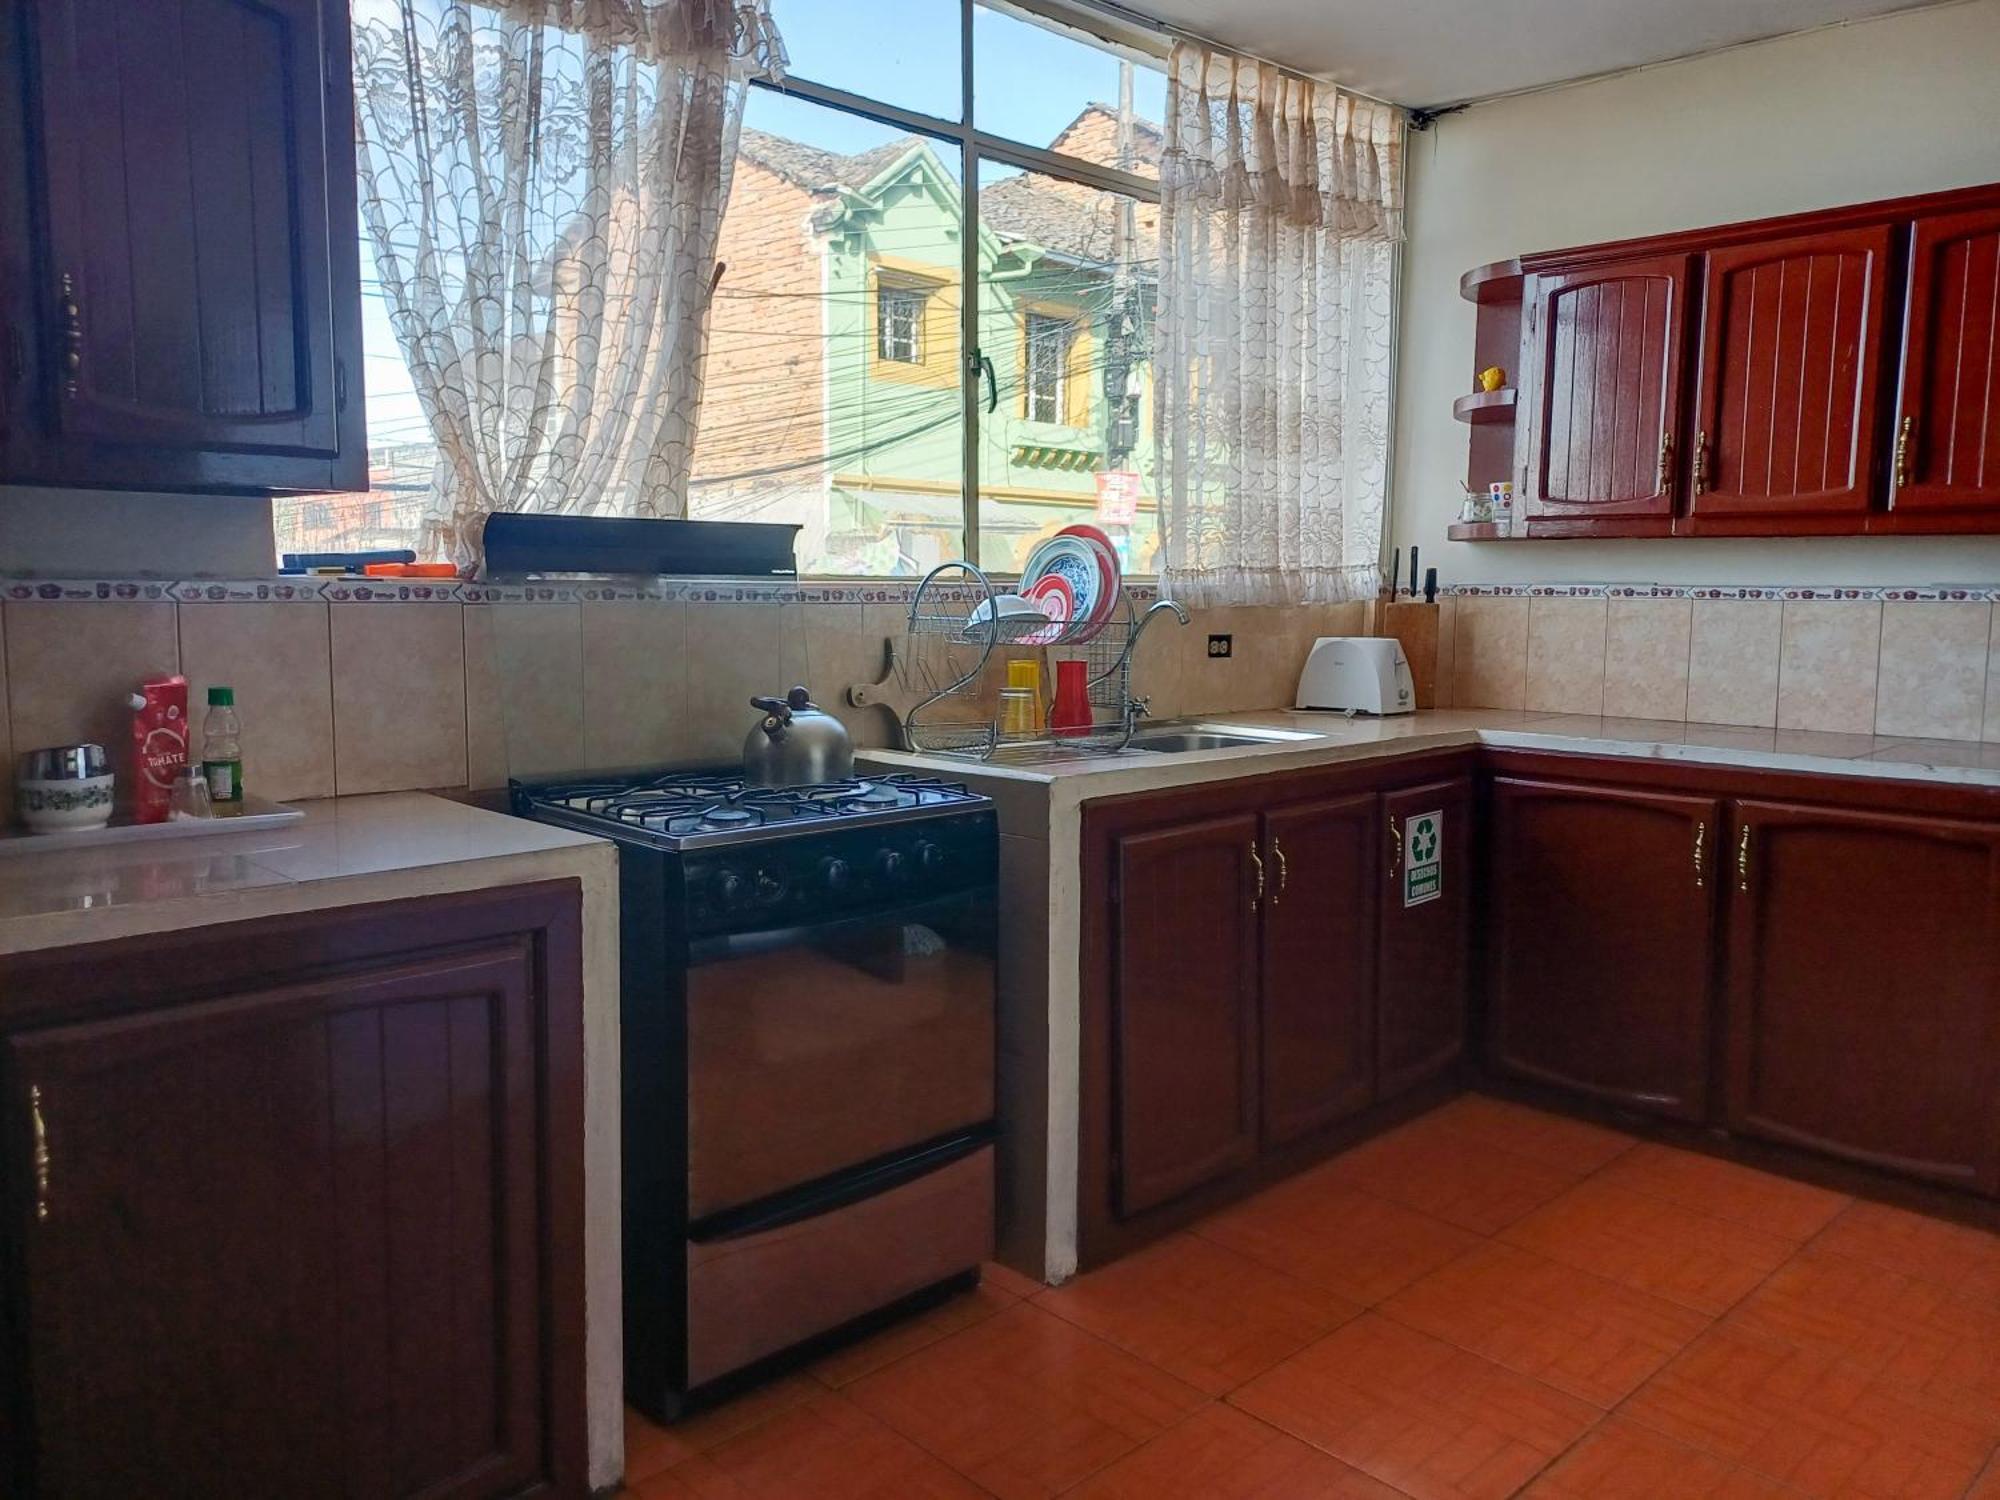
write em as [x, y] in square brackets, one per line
[1432, 52]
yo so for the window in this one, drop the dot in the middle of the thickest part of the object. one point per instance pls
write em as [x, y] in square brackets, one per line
[838, 394]
[1048, 366]
[899, 325]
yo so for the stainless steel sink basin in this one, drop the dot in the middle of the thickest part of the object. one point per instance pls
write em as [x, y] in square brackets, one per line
[1180, 741]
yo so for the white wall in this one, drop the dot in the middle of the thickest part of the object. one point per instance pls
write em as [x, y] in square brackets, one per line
[1905, 104]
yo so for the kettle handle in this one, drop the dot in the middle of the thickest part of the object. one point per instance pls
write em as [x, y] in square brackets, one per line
[777, 708]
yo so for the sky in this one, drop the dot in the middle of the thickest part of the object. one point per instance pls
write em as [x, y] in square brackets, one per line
[1028, 84]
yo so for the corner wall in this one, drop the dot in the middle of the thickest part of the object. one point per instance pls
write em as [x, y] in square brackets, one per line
[1905, 104]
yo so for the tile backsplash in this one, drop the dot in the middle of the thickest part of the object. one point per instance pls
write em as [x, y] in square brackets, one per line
[466, 687]
[1905, 662]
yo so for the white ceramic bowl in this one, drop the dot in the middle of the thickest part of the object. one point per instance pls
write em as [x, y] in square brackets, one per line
[55, 806]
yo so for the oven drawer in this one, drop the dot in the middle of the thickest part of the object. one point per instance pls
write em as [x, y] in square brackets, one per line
[758, 1293]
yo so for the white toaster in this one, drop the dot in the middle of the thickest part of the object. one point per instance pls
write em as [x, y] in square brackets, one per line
[1357, 674]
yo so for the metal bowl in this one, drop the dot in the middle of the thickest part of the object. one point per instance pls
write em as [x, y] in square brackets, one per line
[63, 763]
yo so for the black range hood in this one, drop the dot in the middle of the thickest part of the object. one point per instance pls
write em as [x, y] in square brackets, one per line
[525, 546]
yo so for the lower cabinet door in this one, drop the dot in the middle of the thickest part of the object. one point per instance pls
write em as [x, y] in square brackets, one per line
[1601, 946]
[1319, 964]
[1426, 908]
[287, 1242]
[1184, 1008]
[1863, 988]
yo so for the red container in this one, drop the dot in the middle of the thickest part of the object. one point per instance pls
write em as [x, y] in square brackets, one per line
[1070, 714]
[159, 745]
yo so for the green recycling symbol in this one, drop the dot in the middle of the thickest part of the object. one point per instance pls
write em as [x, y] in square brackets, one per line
[1424, 841]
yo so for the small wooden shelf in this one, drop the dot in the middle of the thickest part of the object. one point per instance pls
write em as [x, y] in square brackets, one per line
[1486, 406]
[1479, 531]
[1498, 282]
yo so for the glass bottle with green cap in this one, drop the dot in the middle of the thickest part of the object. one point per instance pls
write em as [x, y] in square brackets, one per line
[222, 747]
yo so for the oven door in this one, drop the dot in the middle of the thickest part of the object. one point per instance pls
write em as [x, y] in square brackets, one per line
[835, 1047]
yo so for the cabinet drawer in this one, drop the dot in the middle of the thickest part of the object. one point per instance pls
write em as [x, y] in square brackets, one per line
[755, 1294]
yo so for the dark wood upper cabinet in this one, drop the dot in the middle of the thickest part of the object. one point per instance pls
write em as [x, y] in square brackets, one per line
[180, 262]
[1601, 930]
[1319, 964]
[1791, 349]
[305, 1235]
[1421, 982]
[1863, 988]
[1947, 430]
[1185, 1007]
[1601, 351]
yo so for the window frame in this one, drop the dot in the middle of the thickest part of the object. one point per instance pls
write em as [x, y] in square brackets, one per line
[888, 337]
[975, 147]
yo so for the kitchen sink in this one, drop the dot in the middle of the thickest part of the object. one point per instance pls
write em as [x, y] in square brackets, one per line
[1180, 741]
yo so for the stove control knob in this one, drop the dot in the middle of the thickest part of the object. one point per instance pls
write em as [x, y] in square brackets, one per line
[732, 891]
[892, 867]
[770, 889]
[931, 858]
[834, 874]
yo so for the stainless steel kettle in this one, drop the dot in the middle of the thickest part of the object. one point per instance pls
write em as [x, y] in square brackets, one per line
[795, 744]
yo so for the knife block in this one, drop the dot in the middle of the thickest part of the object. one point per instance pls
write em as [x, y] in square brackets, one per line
[1415, 624]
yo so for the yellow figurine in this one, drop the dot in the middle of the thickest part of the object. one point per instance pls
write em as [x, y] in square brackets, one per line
[1492, 378]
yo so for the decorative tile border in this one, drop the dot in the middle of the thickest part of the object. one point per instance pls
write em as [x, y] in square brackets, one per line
[1924, 593]
[308, 590]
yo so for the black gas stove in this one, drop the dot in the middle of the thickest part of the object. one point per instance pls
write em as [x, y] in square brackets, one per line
[807, 1023]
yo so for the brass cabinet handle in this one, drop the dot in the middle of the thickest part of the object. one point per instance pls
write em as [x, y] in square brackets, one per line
[40, 1127]
[1903, 452]
[1700, 858]
[1701, 474]
[1666, 473]
[1256, 859]
[1284, 870]
[72, 312]
[1395, 852]
[1743, 860]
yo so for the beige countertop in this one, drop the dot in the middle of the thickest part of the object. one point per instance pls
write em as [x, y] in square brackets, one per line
[1314, 739]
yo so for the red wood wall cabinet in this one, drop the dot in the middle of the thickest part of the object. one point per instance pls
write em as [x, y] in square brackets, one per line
[179, 274]
[1825, 373]
[295, 1207]
[1601, 353]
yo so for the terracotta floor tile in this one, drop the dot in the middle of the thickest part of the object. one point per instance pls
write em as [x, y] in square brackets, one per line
[1025, 1403]
[1795, 1210]
[1417, 1413]
[1580, 1333]
[1199, 1311]
[1624, 1461]
[1353, 1243]
[1827, 1426]
[825, 1447]
[1220, 1453]
[1652, 1244]
[1911, 1332]
[1450, 1173]
[650, 1448]
[1954, 1255]
[846, 1365]
[1005, 1281]
[1553, 1140]
[1988, 1487]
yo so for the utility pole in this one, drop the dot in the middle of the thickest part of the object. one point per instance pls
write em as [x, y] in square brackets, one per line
[1121, 433]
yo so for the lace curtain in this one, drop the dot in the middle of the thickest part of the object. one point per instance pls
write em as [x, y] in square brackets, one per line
[1280, 208]
[542, 182]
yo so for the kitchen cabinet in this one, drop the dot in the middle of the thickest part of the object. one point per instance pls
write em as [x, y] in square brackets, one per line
[1186, 1005]
[1424, 941]
[295, 1207]
[179, 277]
[1601, 352]
[1602, 933]
[1863, 987]
[1318, 983]
[1791, 348]
[1947, 430]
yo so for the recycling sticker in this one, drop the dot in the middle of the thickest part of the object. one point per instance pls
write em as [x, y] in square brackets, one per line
[1423, 857]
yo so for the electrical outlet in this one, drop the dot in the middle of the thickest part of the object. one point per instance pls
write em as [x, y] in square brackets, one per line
[1222, 645]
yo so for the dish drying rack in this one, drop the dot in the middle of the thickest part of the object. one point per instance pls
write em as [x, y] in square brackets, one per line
[955, 629]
